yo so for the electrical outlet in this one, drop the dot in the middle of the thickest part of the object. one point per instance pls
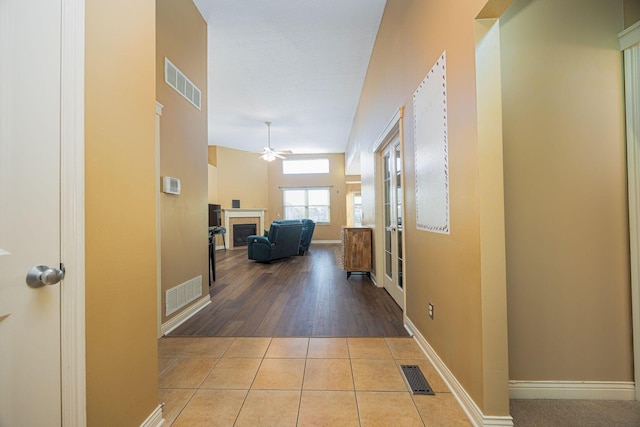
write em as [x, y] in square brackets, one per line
[430, 309]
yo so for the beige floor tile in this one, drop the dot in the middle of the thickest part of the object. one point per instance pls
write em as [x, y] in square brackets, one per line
[187, 373]
[269, 408]
[328, 374]
[280, 374]
[441, 410]
[206, 346]
[164, 363]
[328, 409]
[368, 348]
[377, 375]
[405, 348]
[174, 399]
[234, 373]
[171, 347]
[211, 408]
[288, 348]
[431, 375]
[248, 347]
[379, 409]
[334, 348]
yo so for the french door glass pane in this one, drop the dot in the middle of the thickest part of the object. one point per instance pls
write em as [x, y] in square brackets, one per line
[398, 210]
[387, 185]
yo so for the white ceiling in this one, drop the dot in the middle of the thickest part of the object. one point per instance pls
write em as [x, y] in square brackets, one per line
[300, 64]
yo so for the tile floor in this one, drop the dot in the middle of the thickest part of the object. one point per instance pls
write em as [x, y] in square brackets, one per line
[298, 382]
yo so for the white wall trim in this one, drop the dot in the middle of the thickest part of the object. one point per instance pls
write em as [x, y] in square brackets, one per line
[155, 419]
[73, 358]
[388, 132]
[159, 108]
[374, 279]
[185, 315]
[596, 390]
[632, 107]
[630, 36]
[472, 410]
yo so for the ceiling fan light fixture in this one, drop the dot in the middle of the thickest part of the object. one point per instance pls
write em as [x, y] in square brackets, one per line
[269, 154]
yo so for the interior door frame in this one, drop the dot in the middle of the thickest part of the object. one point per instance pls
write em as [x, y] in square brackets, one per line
[630, 45]
[72, 233]
[393, 129]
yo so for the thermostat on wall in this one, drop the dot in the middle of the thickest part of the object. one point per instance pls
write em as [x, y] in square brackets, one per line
[170, 185]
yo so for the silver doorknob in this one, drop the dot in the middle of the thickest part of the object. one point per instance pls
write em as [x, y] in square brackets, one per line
[42, 275]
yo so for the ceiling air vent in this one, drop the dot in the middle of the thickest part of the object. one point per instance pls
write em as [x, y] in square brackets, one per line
[177, 80]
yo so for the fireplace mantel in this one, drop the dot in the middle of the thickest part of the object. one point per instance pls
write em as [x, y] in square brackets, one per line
[230, 213]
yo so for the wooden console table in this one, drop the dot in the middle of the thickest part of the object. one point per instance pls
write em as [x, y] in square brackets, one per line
[356, 250]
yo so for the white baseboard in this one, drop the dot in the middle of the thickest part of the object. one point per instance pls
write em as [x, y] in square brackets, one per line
[184, 315]
[588, 390]
[472, 410]
[155, 419]
[374, 279]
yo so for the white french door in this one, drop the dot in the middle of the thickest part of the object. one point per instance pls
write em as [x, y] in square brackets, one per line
[392, 208]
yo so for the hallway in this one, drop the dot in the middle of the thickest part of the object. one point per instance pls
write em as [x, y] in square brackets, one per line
[294, 343]
[299, 296]
[227, 381]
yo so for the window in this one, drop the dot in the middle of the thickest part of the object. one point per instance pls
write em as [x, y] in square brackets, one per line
[357, 209]
[312, 203]
[292, 167]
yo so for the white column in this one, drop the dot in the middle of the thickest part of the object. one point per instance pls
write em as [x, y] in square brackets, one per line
[630, 44]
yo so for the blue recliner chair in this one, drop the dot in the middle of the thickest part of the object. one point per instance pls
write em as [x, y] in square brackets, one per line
[307, 232]
[305, 238]
[283, 241]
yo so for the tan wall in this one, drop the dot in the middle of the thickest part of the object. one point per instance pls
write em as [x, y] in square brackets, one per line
[182, 38]
[213, 195]
[121, 346]
[565, 191]
[212, 151]
[495, 357]
[439, 268]
[212, 179]
[335, 179]
[631, 12]
[242, 176]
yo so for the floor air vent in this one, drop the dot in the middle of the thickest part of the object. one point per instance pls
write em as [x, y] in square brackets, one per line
[417, 382]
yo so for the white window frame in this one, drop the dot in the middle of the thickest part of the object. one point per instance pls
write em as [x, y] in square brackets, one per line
[306, 201]
[307, 170]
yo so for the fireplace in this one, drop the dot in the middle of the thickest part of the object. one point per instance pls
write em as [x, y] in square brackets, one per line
[234, 216]
[241, 232]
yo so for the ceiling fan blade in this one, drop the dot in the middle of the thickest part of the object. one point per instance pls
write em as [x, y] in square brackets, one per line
[278, 155]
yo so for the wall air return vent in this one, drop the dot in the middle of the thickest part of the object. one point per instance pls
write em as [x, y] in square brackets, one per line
[177, 80]
[181, 295]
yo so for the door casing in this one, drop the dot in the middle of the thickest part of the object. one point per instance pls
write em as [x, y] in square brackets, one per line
[394, 129]
[72, 215]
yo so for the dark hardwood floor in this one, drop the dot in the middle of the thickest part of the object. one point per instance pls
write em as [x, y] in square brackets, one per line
[300, 296]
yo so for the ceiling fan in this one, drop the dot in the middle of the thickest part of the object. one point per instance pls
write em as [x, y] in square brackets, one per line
[269, 154]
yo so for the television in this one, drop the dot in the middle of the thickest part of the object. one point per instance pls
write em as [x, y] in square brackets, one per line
[215, 215]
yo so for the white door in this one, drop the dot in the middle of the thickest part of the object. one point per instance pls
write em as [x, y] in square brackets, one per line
[392, 217]
[30, 383]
